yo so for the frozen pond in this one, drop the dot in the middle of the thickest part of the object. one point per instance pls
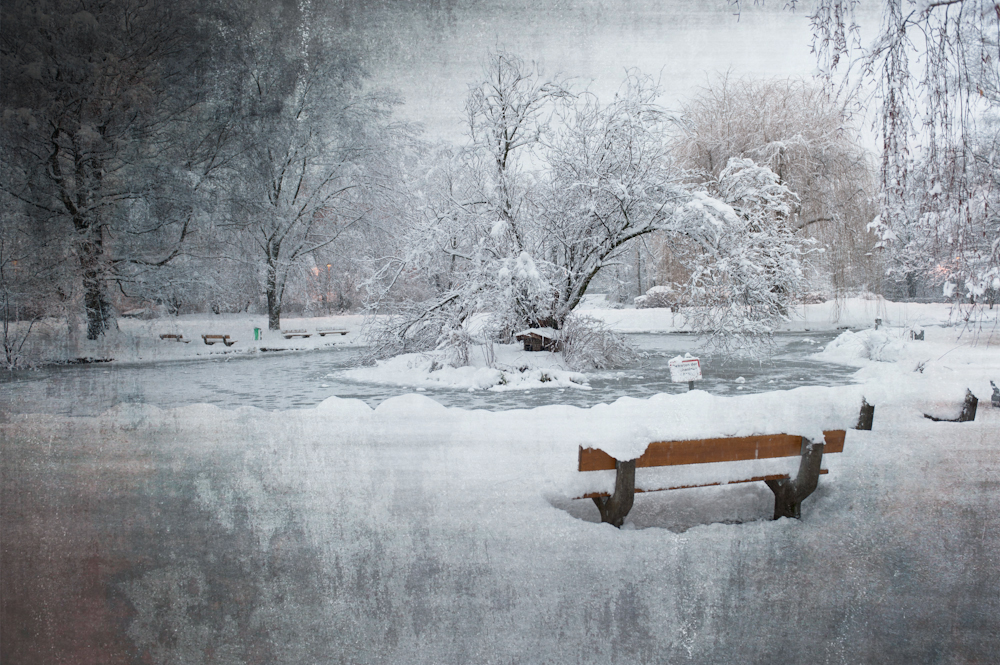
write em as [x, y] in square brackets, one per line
[302, 380]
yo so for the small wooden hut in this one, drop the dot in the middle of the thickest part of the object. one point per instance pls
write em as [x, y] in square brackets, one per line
[539, 339]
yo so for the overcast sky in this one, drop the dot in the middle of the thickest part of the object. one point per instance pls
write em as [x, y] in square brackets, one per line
[433, 49]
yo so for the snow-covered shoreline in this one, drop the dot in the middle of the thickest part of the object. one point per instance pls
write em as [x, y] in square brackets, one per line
[138, 340]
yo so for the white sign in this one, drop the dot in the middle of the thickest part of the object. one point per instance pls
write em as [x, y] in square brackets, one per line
[684, 368]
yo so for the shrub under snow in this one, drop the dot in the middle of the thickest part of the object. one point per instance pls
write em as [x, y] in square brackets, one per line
[659, 296]
[588, 343]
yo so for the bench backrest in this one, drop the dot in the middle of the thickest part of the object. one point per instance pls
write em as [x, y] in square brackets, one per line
[704, 451]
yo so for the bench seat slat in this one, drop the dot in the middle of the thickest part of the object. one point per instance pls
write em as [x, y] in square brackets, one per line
[705, 451]
[777, 476]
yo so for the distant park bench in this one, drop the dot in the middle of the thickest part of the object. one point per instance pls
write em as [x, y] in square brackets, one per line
[295, 333]
[788, 492]
[331, 331]
[212, 339]
[174, 338]
[968, 412]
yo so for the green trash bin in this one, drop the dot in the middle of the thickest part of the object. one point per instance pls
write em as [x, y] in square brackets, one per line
[256, 334]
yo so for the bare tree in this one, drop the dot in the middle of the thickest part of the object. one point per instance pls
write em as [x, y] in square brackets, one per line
[935, 66]
[88, 89]
[31, 281]
[314, 143]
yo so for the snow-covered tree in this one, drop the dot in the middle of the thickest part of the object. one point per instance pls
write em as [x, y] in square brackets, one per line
[552, 189]
[612, 179]
[310, 138]
[803, 134]
[474, 238]
[746, 276]
[90, 91]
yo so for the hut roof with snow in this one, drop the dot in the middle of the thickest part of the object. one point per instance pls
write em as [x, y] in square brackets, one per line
[539, 339]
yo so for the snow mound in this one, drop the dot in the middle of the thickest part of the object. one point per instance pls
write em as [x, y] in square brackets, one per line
[510, 369]
[626, 427]
[623, 429]
[877, 345]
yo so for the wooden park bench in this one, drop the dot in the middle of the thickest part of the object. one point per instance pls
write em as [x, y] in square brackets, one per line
[788, 492]
[295, 333]
[968, 412]
[331, 331]
[174, 338]
[212, 339]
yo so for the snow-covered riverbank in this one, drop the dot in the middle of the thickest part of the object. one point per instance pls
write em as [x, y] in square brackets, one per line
[138, 340]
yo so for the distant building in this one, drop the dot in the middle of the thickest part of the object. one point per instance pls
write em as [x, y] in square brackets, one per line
[539, 339]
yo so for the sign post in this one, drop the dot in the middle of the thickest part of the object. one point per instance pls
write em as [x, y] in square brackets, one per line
[685, 368]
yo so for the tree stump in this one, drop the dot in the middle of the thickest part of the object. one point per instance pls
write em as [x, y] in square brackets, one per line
[968, 407]
[968, 413]
[866, 417]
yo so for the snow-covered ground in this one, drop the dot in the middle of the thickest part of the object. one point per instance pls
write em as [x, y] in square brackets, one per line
[415, 533]
[503, 367]
[830, 315]
[138, 340]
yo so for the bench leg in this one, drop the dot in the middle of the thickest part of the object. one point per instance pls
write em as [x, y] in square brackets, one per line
[614, 508]
[789, 493]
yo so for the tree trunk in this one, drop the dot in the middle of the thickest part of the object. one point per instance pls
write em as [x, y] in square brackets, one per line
[273, 297]
[273, 307]
[95, 300]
